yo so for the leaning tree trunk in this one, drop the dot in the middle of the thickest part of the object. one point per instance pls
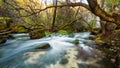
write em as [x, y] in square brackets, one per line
[114, 18]
[95, 9]
[109, 18]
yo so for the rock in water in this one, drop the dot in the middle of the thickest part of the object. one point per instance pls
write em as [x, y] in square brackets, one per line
[35, 34]
[76, 42]
[3, 40]
[11, 37]
[43, 46]
[64, 61]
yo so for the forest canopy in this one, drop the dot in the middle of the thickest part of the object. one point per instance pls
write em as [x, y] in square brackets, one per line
[63, 14]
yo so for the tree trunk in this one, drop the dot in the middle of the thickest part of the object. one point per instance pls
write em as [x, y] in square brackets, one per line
[102, 26]
[116, 63]
[102, 22]
[54, 17]
[95, 9]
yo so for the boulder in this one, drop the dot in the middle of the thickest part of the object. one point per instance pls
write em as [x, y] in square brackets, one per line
[64, 61]
[3, 40]
[35, 34]
[76, 42]
[43, 46]
[11, 37]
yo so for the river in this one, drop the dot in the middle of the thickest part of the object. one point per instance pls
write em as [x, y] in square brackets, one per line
[21, 52]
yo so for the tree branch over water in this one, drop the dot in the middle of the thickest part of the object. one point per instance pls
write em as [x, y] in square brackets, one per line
[92, 6]
[95, 9]
[60, 6]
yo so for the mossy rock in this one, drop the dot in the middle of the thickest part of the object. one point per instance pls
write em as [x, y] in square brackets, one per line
[43, 46]
[62, 32]
[11, 37]
[35, 34]
[18, 28]
[3, 40]
[76, 42]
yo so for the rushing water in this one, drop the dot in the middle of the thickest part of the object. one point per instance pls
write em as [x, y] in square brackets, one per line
[21, 53]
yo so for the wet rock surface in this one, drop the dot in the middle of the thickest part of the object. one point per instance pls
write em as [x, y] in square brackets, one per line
[35, 34]
[3, 40]
[43, 46]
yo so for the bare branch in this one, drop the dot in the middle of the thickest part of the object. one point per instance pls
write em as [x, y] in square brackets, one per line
[60, 6]
[95, 9]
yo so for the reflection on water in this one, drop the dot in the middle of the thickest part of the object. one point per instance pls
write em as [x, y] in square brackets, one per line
[21, 53]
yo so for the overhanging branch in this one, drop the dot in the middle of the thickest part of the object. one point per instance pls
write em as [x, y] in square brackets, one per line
[48, 7]
[60, 6]
[95, 9]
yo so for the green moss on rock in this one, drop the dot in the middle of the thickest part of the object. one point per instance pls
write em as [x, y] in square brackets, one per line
[76, 42]
[3, 40]
[35, 34]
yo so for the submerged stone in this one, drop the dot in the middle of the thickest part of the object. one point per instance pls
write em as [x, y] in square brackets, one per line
[82, 65]
[43, 46]
[76, 42]
[11, 37]
[64, 61]
[3, 40]
[35, 34]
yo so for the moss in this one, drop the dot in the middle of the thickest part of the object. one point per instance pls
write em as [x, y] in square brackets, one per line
[117, 30]
[35, 34]
[76, 42]
[98, 40]
[63, 32]
[47, 32]
[2, 26]
[3, 40]
[18, 29]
